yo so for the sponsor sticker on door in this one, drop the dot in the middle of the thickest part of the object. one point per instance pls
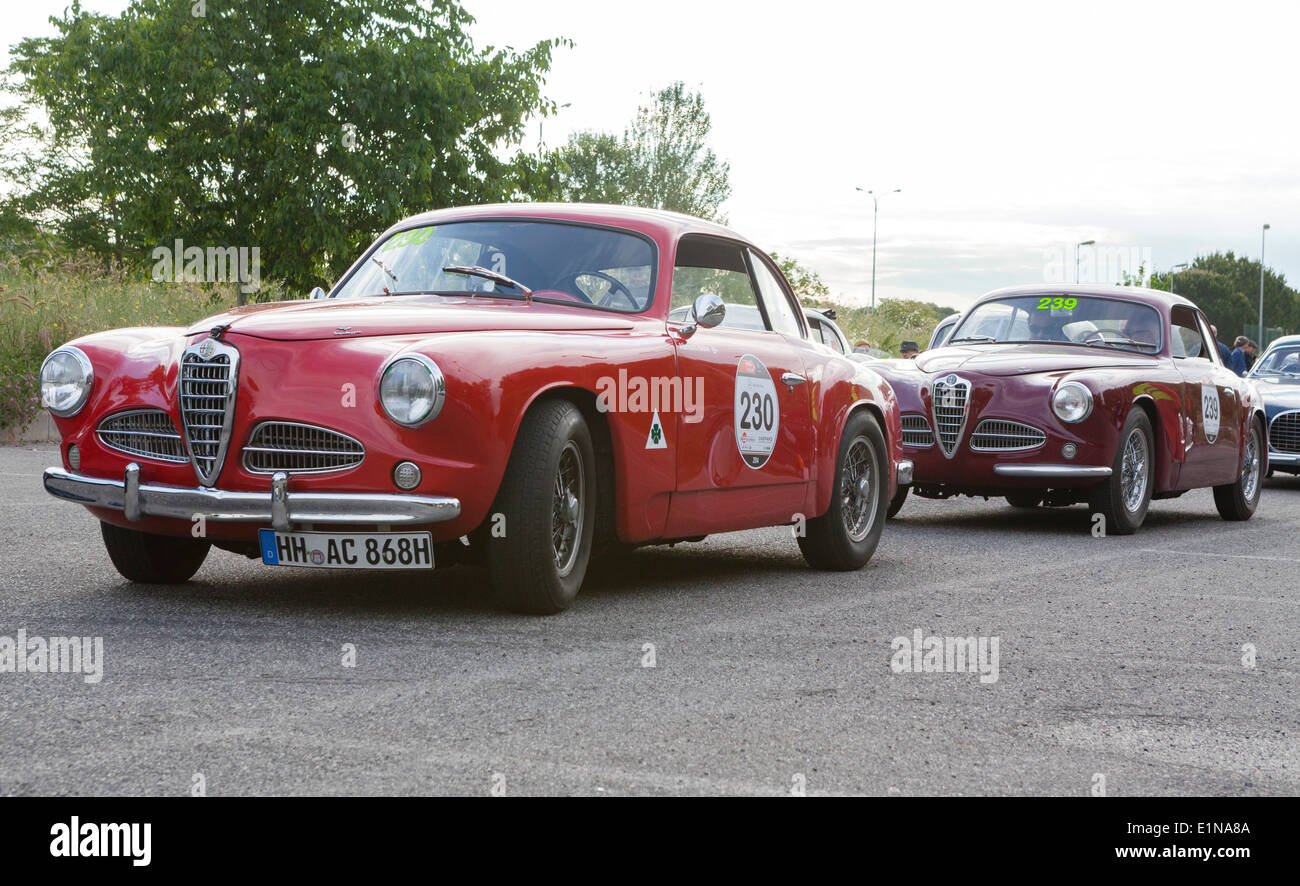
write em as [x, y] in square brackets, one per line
[757, 411]
[1210, 411]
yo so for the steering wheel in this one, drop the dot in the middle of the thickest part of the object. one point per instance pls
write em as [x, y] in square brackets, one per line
[616, 287]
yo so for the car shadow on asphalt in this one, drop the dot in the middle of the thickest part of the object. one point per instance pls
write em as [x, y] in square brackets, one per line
[459, 590]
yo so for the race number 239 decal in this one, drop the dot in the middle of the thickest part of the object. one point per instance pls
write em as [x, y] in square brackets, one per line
[1210, 411]
[757, 411]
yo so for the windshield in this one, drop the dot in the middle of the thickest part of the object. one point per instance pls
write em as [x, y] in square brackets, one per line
[563, 263]
[1060, 319]
[1279, 361]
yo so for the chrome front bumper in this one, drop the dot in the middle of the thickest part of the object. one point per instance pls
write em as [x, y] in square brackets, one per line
[1052, 472]
[1282, 458]
[905, 468]
[279, 506]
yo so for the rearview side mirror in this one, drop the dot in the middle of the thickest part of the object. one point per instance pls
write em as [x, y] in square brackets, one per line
[708, 311]
[316, 293]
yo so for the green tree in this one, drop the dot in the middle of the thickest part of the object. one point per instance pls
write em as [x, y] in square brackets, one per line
[807, 284]
[302, 128]
[662, 161]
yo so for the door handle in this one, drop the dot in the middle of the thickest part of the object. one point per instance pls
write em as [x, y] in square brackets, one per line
[790, 379]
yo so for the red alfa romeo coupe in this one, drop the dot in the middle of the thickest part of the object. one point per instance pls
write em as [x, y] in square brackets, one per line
[501, 384]
[1109, 395]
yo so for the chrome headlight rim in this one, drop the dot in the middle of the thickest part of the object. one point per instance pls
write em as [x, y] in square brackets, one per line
[88, 373]
[1087, 399]
[439, 389]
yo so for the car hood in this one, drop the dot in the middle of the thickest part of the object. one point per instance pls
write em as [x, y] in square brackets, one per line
[1278, 392]
[404, 315]
[1023, 359]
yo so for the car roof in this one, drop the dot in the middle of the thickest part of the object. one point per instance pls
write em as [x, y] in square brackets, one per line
[658, 223]
[1154, 297]
[1285, 340]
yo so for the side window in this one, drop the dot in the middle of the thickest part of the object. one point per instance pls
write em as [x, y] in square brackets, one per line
[779, 310]
[1211, 352]
[1187, 343]
[707, 265]
[829, 336]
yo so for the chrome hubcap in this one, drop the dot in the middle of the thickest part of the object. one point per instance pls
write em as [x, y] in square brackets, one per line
[1134, 470]
[1250, 467]
[857, 491]
[566, 508]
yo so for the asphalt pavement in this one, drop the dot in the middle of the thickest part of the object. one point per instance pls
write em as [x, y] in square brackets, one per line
[1161, 663]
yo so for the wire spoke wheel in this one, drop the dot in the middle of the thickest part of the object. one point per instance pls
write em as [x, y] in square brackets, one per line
[567, 508]
[1250, 467]
[1135, 470]
[858, 490]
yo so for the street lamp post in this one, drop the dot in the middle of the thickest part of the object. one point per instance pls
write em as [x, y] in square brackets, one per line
[875, 215]
[1076, 256]
[1261, 285]
[1174, 270]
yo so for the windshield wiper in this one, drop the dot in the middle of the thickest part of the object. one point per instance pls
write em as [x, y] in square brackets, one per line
[386, 270]
[479, 271]
[1100, 338]
[977, 337]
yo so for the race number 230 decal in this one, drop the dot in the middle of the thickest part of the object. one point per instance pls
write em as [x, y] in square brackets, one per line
[1210, 411]
[758, 414]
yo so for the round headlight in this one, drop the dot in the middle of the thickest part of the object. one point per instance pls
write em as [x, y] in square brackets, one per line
[411, 390]
[66, 377]
[1072, 402]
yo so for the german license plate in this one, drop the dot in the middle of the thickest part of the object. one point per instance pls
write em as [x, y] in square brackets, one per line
[344, 550]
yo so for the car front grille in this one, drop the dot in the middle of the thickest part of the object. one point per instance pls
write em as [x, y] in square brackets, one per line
[950, 400]
[209, 374]
[999, 435]
[148, 433]
[298, 448]
[1284, 432]
[916, 430]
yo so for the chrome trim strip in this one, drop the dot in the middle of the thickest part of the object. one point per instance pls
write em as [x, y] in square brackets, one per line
[1053, 472]
[183, 503]
[1283, 458]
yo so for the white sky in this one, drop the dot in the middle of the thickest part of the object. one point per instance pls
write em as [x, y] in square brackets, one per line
[1015, 130]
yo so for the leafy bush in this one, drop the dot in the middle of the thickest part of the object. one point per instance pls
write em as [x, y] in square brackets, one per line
[46, 306]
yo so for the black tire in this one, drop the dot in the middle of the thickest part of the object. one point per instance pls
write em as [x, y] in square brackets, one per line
[153, 559]
[831, 541]
[896, 503]
[1237, 501]
[1027, 498]
[1110, 498]
[523, 564]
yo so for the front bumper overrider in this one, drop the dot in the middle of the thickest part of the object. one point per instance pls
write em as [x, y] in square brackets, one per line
[279, 506]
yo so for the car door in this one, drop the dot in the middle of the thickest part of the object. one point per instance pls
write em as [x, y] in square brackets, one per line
[1209, 404]
[747, 460]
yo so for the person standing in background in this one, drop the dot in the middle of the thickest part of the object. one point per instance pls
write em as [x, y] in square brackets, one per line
[1237, 360]
[1251, 348]
[1224, 354]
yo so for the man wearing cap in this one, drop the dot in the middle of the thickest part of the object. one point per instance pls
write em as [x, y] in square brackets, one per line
[909, 350]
